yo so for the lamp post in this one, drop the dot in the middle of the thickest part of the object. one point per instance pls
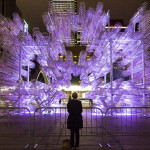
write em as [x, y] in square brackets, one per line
[25, 33]
[20, 62]
[22, 34]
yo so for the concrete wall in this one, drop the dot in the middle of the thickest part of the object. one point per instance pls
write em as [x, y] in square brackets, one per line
[1, 6]
[10, 7]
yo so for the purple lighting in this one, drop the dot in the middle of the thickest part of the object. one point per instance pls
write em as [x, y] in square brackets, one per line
[124, 52]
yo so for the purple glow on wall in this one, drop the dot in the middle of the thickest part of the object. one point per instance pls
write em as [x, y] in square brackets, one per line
[129, 49]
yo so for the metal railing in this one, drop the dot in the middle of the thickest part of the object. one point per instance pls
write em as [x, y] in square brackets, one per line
[116, 127]
[51, 123]
[123, 122]
[15, 128]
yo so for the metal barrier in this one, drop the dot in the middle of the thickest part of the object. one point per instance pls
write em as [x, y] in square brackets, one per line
[133, 122]
[15, 127]
[50, 123]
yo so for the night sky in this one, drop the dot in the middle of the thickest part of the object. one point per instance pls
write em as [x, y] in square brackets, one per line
[119, 9]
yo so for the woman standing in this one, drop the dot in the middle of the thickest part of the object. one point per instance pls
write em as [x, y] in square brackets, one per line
[74, 121]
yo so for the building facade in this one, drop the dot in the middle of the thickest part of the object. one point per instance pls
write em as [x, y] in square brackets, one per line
[8, 7]
[62, 6]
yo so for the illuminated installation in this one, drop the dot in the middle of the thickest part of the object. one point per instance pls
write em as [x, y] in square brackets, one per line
[125, 53]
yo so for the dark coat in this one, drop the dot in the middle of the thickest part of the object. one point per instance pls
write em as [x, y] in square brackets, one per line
[74, 120]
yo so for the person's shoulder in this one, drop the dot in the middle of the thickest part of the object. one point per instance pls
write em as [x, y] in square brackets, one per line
[68, 102]
[78, 101]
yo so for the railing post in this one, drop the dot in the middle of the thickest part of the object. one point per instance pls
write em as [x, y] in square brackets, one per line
[111, 71]
[132, 71]
[143, 63]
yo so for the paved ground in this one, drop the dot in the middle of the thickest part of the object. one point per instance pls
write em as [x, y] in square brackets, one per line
[91, 144]
[116, 143]
[124, 132]
[87, 143]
